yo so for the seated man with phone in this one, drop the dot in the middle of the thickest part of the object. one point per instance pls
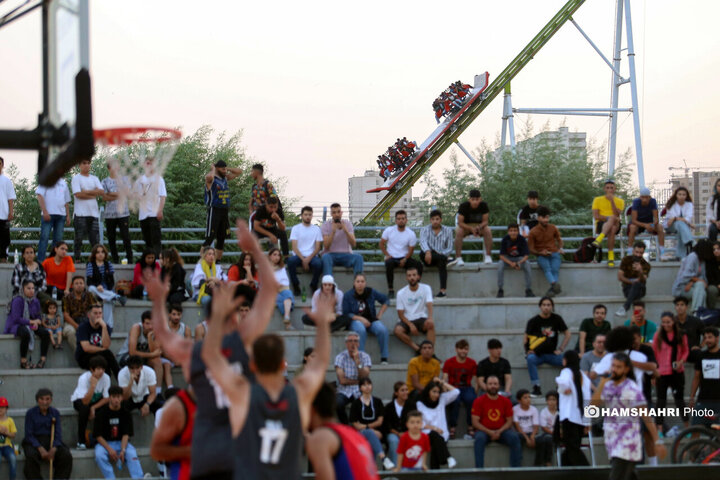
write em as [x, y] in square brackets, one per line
[338, 241]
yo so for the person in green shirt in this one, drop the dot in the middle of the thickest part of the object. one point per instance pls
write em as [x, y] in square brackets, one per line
[647, 327]
[591, 327]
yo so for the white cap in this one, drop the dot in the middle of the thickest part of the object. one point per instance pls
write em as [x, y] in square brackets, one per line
[328, 279]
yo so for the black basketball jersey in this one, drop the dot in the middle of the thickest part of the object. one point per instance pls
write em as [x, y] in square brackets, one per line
[269, 447]
[212, 435]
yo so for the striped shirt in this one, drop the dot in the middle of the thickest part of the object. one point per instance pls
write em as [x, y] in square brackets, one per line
[441, 243]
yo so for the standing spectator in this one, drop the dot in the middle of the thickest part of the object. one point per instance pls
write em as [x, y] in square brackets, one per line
[338, 241]
[423, 368]
[101, 281]
[712, 271]
[351, 366]
[679, 220]
[112, 429]
[593, 357]
[712, 212]
[7, 200]
[494, 365]
[671, 351]
[548, 417]
[528, 214]
[394, 420]
[644, 218]
[86, 187]
[436, 244]
[23, 321]
[206, 276]
[151, 191]
[90, 395]
[93, 339]
[574, 388]
[117, 212]
[137, 344]
[329, 291]
[366, 416]
[707, 378]
[36, 444]
[285, 301]
[359, 304]
[306, 240]
[269, 222]
[492, 417]
[397, 245]
[76, 303]
[633, 275]
[413, 446]
[459, 371]
[472, 219]
[139, 387]
[691, 280]
[527, 423]
[647, 327]
[514, 254]
[607, 212]
[415, 309]
[434, 399]
[691, 325]
[217, 199]
[146, 262]
[545, 242]
[54, 205]
[173, 267]
[59, 268]
[29, 269]
[8, 431]
[592, 327]
[261, 190]
[541, 341]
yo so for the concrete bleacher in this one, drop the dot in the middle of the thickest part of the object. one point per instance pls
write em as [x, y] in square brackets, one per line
[471, 311]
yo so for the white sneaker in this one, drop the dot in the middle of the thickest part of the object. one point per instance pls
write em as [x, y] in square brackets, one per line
[621, 312]
[452, 463]
[488, 259]
[80, 446]
[673, 432]
[388, 464]
[458, 261]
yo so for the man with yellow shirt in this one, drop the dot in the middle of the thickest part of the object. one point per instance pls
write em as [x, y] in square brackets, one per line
[422, 368]
[607, 211]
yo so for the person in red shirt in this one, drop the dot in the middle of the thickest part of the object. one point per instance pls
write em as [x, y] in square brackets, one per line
[414, 445]
[492, 417]
[458, 371]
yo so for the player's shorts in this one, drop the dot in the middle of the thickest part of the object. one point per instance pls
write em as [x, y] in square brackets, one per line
[419, 324]
[599, 226]
[217, 227]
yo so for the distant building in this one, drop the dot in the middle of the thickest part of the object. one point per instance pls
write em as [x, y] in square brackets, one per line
[362, 202]
[563, 138]
[700, 185]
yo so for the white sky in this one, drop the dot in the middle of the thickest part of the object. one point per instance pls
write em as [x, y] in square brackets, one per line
[321, 88]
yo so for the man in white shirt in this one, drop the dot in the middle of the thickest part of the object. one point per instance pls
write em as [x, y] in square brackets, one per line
[7, 199]
[306, 241]
[139, 384]
[397, 244]
[86, 188]
[151, 193]
[415, 310]
[55, 214]
[90, 395]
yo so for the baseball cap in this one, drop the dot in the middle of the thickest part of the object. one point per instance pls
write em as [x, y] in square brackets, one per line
[609, 180]
[3, 402]
[328, 279]
[220, 164]
[644, 192]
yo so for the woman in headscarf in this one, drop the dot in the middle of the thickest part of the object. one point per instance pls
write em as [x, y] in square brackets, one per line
[574, 389]
[432, 402]
[29, 268]
[23, 320]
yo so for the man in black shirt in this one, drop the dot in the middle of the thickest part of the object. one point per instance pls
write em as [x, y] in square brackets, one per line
[707, 378]
[691, 325]
[269, 222]
[93, 338]
[712, 270]
[472, 219]
[495, 365]
[528, 216]
[112, 429]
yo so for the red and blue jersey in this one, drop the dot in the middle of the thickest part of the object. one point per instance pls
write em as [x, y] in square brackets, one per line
[354, 460]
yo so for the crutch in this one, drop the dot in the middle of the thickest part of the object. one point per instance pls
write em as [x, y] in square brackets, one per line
[52, 440]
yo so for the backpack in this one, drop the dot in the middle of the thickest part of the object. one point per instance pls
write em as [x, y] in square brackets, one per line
[709, 316]
[587, 251]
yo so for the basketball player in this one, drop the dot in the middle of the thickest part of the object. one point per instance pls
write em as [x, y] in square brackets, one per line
[336, 451]
[267, 417]
[217, 199]
[172, 438]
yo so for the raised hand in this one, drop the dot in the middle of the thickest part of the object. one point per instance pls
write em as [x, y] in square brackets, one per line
[325, 312]
[224, 302]
[246, 240]
[155, 286]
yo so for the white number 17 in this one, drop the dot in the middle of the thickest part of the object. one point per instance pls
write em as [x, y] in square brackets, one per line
[273, 440]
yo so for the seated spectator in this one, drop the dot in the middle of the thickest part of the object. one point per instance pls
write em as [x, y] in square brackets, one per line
[206, 276]
[139, 387]
[472, 219]
[366, 416]
[112, 429]
[494, 365]
[422, 368]
[436, 244]
[36, 444]
[607, 212]
[394, 419]
[492, 417]
[306, 241]
[671, 351]
[52, 321]
[76, 303]
[574, 388]
[351, 366]
[93, 338]
[244, 271]
[146, 262]
[712, 212]
[528, 214]
[691, 325]
[541, 341]
[691, 280]
[397, 244]
[59, 268]
[526, 419]
[269, 222]
[459, 371]
[338, 241]
[593, 357]
[173, 266]
[176, 326]
[285, 301]
[548, 417]
[545, 242]
[329, 290]
[647, 327]
[514, 254]
[679, 221]
[8, 431]
[591, 327]
[413, 446]
[359, 304]
[433, 400]
[712, 271]
[644, 218]
[633, 275]
[101, 281]
[137, 343]
[23, 321]
[89, 396]
[414, 308]
[29, 268]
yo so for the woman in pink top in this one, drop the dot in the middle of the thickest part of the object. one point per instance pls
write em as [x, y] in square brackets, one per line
[671, 351]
